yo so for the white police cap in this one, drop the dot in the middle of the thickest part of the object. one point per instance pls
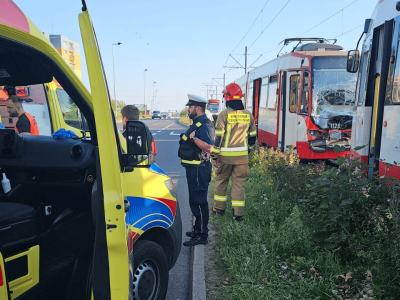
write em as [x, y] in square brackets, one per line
[196, 100]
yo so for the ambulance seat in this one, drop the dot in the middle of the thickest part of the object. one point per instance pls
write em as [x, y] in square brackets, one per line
[17, 224]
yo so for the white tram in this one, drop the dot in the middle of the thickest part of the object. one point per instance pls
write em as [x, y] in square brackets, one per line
[376, 123]
[303, 99]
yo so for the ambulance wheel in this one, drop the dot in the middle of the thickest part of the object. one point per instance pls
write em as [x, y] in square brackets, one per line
[150, 279]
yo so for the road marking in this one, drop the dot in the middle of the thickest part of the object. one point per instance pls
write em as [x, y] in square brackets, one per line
[172, 133]
[168, 126]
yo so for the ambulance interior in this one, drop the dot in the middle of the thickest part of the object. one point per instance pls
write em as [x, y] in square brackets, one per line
[47, 231]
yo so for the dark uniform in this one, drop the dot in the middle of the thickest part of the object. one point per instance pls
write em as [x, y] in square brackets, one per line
[198, 172]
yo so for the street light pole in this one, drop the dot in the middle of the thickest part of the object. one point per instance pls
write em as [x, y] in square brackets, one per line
[112, 52]
[144, 90]
[153, 100]
[155, 95]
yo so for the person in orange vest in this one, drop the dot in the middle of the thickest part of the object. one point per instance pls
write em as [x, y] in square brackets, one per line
[235, 136]
[26, 123]
[131, 112]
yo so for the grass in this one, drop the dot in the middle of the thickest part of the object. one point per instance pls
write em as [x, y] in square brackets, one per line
[273, 255]
[184, 120]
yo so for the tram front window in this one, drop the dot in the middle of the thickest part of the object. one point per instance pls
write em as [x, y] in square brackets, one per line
[213, 108]
[333, 93]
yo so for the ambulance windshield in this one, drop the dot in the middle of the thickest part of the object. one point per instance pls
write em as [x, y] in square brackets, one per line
[333, 92]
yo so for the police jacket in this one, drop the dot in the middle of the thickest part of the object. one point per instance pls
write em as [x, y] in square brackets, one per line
[235, 135]
[189, 152]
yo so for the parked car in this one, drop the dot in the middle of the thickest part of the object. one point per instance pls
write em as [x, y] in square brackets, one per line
[156, 114]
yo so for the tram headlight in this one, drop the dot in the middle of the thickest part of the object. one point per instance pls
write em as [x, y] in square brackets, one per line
[315, 134]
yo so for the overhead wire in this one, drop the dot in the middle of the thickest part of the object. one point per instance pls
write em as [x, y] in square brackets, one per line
[349, 31]
[340, 11]
[328, 18]
[266, 27]
[244, 35]
[270, 23]
[251, 26]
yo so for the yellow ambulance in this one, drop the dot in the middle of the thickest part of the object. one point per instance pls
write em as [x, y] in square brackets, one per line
[87, 216]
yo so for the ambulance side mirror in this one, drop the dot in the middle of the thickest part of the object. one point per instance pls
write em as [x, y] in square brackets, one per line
[353, 61]
[138, 140]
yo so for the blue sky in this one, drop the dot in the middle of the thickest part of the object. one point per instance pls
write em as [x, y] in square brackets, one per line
[185, 44]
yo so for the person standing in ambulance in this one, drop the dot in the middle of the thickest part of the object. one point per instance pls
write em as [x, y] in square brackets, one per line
[195, 147]
[26, 123]
[235, 136]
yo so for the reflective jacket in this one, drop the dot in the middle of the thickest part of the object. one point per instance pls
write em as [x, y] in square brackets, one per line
[188, 151]
[235, 135]
[33, 126]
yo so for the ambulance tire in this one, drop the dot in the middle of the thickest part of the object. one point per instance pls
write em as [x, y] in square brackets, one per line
[131, 269]
[150, 279]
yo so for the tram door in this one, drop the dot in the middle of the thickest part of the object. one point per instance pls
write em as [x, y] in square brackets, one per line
[288, 110]
[256, 99]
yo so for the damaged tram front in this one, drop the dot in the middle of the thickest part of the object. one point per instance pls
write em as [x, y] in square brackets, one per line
[303, 100]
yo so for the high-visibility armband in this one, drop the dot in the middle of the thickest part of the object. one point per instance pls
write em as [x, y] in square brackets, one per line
[253, 133]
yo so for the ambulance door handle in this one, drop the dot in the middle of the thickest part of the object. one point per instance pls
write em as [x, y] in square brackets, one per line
[127, 205]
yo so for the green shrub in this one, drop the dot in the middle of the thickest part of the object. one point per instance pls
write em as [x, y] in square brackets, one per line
[338, 202]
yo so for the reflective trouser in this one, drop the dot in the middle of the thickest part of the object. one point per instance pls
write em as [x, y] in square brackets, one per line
[198, 179]
[238, 175]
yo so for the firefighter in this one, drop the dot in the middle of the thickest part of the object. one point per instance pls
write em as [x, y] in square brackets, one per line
[195, 147]
[235, 136]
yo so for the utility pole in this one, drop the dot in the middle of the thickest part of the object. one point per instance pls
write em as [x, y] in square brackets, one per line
[208, 87]
[245, 60]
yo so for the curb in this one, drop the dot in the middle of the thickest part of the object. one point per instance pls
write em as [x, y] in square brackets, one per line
[197, 283]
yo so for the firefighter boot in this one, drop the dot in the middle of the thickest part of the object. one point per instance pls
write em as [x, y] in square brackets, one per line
[235, 217]
[217, 211]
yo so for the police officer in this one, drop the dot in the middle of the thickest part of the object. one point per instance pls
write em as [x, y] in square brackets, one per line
[235, 135]
[195, 146]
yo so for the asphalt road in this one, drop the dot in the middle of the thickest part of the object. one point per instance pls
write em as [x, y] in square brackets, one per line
[166, 133]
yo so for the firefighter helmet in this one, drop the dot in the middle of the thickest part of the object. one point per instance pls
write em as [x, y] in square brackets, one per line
[232, 92]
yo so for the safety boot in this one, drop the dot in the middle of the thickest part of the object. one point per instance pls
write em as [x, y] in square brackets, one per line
[190, 233]
[197, 240]
[218, 211]
[236, 218]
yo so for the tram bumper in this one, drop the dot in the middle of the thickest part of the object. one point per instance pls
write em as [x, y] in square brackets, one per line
[321, 146]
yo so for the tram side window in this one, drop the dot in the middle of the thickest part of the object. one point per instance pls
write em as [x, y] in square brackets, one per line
[249, 102]
[395, 99]
[294, 93]
[272, 96]
[304, 94]
[264, 93]
[362, 88]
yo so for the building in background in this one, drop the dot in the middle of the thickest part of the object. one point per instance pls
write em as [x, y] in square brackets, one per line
[69, 50]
